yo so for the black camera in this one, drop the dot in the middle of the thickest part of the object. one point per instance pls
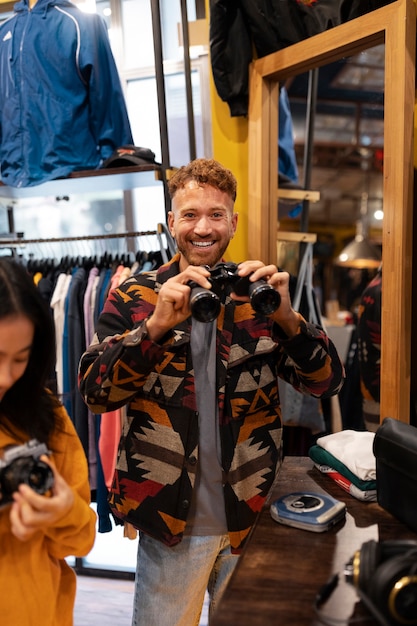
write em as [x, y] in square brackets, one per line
[205, 303]
[22, 464]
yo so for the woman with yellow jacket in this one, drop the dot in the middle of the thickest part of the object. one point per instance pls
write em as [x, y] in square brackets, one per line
[44, 491]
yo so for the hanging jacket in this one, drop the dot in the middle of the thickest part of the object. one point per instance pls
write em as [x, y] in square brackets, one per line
[62, 107]
[238, 26]
[158, 453]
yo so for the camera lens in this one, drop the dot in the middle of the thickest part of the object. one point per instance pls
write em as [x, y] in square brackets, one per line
[264, 299]
[40, 477]
[37, 474]
[205, 304]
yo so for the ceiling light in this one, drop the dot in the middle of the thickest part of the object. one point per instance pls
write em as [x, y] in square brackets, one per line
[360, 253]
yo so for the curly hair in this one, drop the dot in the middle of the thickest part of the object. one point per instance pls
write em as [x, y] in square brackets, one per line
[204, 172]
[28, 405]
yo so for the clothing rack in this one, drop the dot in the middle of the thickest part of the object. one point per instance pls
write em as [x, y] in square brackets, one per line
[16, 242]
[21, 241]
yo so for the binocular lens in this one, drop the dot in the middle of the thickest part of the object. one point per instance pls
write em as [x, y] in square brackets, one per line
[205, 304]
[264, 299]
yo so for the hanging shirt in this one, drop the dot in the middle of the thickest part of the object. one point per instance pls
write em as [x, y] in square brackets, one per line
[58, 306]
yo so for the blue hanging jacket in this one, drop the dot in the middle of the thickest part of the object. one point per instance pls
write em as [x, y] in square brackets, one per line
[62, 107]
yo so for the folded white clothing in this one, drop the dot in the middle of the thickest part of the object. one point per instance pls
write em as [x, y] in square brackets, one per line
[367, 495]
[354, 449]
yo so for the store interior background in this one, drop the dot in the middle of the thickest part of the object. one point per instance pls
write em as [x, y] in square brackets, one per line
[346, 165]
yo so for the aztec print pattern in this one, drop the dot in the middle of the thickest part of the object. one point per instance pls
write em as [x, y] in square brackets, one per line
[158, 452]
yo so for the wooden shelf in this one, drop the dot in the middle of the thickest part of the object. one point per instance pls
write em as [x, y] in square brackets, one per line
[286, 235]
[299, 194]
[89, 181]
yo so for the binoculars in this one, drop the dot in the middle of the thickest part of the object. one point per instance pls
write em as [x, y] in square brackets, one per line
[205, 303]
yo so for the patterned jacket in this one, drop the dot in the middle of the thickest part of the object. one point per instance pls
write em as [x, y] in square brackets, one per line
[158, 451]
[369, 339]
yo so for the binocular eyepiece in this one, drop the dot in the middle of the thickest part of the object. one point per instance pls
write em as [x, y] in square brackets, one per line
[205, 303]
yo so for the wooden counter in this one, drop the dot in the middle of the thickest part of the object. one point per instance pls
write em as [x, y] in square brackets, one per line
[282, 568]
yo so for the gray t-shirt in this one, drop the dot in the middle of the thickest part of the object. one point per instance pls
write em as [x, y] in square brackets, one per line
[207, 515]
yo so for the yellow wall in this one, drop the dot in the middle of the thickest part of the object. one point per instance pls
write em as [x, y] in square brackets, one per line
[230, 147]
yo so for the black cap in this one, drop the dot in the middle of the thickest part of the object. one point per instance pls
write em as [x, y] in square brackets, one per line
[130, 155]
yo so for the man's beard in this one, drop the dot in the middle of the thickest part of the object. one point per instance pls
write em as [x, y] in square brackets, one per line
[193, 257]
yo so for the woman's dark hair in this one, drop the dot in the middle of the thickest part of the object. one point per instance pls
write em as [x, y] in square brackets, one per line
[28, 405]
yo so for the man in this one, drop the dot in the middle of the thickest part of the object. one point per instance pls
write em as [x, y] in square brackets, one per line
[201, 441]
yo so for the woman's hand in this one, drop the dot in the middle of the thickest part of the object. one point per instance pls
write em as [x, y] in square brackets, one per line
[32, 512]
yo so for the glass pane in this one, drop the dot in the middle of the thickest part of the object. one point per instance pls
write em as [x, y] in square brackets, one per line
[4, 224]
[70, 216]
[145, 122]
[177, 117]
[141, 92]
[137, 34]
[112, 550]
[171, 22]
[103, 9]
[149, 210]
[142, 104]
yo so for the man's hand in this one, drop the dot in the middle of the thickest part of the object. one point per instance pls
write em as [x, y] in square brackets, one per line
[32, 512]
[173, 304]
[285, 315]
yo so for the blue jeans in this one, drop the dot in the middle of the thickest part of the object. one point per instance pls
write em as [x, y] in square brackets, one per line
[171, 582]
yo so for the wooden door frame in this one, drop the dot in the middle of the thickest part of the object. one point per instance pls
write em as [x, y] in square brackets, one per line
[395, 26]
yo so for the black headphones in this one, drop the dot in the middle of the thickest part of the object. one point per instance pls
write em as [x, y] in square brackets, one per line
[385, 577]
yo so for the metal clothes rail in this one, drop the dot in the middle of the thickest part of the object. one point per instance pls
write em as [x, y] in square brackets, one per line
[21, 241]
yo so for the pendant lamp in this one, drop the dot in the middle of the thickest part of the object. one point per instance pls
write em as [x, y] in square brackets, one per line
[360, 253]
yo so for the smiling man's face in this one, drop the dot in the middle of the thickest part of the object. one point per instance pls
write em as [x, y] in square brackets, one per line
[202, 222]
